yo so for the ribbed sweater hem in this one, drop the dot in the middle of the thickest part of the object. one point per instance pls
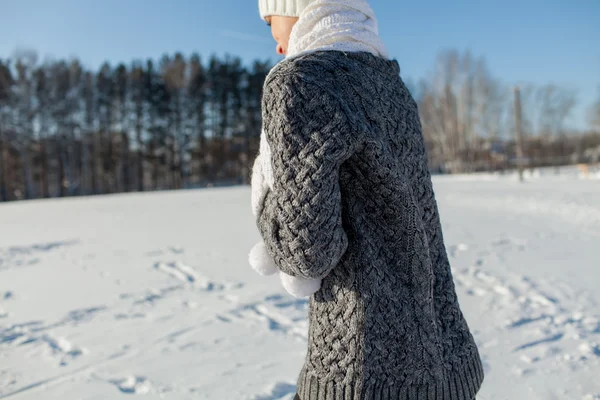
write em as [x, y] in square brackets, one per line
[462, 383]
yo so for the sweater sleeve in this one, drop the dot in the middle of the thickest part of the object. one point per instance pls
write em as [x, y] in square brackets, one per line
[301, 219]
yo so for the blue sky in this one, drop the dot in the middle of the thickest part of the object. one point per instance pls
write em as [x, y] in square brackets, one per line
[523, 41]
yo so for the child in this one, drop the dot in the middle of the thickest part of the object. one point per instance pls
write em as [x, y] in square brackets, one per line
[344, 202]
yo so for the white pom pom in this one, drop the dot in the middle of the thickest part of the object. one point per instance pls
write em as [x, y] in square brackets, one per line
[261, 261]
[299, 287]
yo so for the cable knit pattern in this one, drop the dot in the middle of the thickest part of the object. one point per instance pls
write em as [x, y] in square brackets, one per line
[352, 203]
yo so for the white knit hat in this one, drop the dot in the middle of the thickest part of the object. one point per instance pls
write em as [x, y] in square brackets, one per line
[284, 8]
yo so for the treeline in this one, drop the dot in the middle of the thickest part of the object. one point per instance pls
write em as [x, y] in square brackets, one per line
[186, 122]
[179, 122]
[469, 119]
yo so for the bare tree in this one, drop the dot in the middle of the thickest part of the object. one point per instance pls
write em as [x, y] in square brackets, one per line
[546, 112]
[105, 111]
[23, 92]
[556, 106]
[89, 171]
[6, 83]
[594, 114]
[546, 109]
[42, 94]
[196, 114]
[176, 79]
[460, 104]
[75, 121]
[121, 128]
[138, 104]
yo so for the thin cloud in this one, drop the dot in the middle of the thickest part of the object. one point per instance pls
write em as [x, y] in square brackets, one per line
[246, 37]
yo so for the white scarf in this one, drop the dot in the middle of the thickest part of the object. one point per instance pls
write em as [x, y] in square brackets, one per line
[344, 25]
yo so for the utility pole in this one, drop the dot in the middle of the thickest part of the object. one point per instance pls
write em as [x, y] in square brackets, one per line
[518, 133]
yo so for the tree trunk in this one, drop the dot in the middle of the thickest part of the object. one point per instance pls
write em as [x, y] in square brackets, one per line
[85, 166]
[61, 168]
[140, 171]
[174, 176]
[154, 165]
[27, 179]
[139, 159]
[125, 178]
[44, 188]
[196, 165]
[181, 168]
[96, 163]
[3, 180]
[78, 166]
[108, 166]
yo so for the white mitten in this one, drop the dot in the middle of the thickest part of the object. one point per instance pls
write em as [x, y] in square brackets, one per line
[299, 287]
[261, 261]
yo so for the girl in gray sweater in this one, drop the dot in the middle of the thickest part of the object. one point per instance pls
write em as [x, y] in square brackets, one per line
[344, 202]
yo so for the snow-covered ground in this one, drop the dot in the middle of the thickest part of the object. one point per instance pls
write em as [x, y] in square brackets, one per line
[150, 295]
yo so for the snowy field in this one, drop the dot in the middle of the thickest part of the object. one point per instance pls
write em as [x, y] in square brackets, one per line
[151, 295]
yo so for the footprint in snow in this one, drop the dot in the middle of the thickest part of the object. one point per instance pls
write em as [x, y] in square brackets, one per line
[537, 311]
[133, 385]
[153, 295]
[187, 274]
[20, 256]
[280, 314]
[30, 335]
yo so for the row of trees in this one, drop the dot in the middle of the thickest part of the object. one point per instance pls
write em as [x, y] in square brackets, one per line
[468, 119]
[65, 130]
[181, 122]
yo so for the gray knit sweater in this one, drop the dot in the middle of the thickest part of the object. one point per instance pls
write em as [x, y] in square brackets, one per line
[352, 203]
